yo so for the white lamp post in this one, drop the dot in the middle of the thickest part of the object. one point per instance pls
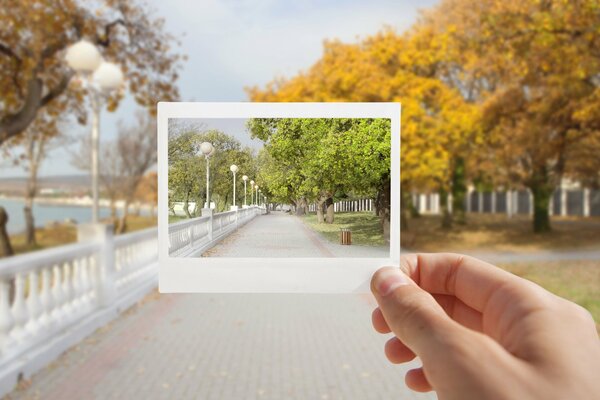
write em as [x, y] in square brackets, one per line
[100, 78]
[233, 169]
[208, 150]
[245, 178]
[252, 192]
[256, 195]
[260, 198]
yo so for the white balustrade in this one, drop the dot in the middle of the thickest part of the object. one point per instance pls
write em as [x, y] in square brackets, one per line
[192, 236]
[56, 292]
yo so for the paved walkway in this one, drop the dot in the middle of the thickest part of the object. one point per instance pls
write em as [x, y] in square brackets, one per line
[278, 234]
[229, 347]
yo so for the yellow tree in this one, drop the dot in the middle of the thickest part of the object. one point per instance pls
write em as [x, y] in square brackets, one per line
[535, 67]
[436, 120]
[35, 33]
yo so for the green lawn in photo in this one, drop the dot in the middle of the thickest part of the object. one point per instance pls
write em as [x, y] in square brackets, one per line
[365, 227]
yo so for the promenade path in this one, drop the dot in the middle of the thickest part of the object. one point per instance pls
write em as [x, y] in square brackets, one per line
[261, 346]
[199, 346]
[279, 234]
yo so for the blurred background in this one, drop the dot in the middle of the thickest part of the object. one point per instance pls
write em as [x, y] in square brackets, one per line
[500, 142]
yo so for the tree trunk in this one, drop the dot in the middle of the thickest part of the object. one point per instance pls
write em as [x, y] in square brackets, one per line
[320, 206]
[330, 210]
[28, 211]
[446, 216]
[186, 205]
[29, 224]
[459, 191]
[384, 203]
[122, 225]
[6, 249]
[301, 207]
[405, 204]
[542, 190]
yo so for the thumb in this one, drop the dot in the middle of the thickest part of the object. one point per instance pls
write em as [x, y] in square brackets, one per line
[414, 316]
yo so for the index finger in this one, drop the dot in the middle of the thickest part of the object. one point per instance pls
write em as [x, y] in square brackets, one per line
[471, 280]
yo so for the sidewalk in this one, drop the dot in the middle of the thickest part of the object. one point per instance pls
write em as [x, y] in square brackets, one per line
[283, 235]
[230, 347]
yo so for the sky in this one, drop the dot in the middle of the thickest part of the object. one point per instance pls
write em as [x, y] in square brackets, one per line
[232, 44]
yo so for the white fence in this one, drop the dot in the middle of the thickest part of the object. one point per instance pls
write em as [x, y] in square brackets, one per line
[52, 299]
[564, 202]
[192, 237]
[348, 205]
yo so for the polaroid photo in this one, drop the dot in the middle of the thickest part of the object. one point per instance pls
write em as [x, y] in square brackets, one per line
[277, 197]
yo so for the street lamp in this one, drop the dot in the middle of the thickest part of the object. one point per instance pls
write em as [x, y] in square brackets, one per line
[260, 198]
[244, 178]
[252, 192]
[233, 169]
[256, 195]
[100, 78]
[208, 150]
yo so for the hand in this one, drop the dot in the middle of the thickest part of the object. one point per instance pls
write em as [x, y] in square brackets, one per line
[483, 333]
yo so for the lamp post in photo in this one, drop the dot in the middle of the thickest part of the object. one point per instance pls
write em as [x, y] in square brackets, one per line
[233, 168]
[251, 193]
[208, 150]
[256, 194]
[100, 78]
[245, 178]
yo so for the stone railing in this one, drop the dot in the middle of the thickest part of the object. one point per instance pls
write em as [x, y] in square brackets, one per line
[192, 237]
[51, 299]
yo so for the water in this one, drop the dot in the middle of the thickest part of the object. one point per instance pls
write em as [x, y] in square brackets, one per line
[44, 213]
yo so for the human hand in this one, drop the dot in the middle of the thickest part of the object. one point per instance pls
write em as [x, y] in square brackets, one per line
[483, 333]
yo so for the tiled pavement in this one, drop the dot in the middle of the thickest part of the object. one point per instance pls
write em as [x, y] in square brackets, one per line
[282, 235]
[200, 346]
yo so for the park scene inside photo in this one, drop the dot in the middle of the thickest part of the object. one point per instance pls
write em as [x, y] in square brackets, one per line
[279, 187]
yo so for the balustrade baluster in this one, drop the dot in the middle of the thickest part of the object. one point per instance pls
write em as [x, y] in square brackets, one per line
[46, 322]
[33, 304]
[19, 309]
[6, 318]
[67, 290]
[76, 282]
[57, 295]
[85, 283]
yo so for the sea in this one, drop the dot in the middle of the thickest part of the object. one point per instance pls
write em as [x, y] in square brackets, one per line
[47, 213]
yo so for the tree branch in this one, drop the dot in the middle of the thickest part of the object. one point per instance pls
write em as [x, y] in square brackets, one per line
[105, 40]
[58, 89]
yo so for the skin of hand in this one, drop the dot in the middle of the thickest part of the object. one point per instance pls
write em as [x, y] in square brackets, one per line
[483, 333]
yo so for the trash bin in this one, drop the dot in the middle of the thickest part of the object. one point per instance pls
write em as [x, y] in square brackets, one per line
[345, 236]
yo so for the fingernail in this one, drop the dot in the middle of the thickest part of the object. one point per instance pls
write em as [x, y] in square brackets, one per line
[389, 279]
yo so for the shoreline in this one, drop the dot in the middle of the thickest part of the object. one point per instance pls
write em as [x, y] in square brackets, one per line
[78, 202]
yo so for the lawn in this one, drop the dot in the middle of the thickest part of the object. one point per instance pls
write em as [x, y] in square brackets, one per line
[365, 227]
[487, 232]
[67, 233]
[578, 281]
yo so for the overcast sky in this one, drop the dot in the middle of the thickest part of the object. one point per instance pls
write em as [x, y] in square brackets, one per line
[232, 44]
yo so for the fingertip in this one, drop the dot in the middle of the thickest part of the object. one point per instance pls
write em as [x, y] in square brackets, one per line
[417, 381]
[397, 352]
[385, 280]
[379, 322]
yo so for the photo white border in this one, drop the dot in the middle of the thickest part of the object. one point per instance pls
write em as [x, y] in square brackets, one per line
[271, 275]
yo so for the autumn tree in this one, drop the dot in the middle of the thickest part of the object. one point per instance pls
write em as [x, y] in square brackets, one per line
[125, 160]
[34, 35]
[535, 68]
[30, 150]
[437, 123]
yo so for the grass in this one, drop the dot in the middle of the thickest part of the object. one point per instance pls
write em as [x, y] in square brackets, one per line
[365, 227]
[65, 233]
[578, 281]
[489, 232]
